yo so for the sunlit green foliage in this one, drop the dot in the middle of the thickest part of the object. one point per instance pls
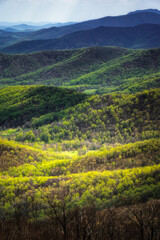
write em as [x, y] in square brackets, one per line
[103, 119]
[107, 118]
[95, 69]
[107, 188]
[19, 104]
[31, 181]
[102, 149]
[13, 154]
[125, 156]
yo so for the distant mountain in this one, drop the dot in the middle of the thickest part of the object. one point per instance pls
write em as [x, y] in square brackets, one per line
[62, 24]
[9, 29]
[118, 21]
[26, 27]
[19, 32]
[146, 10]
[7, 24]
[48, 33]
[31, 26]
[9, 37]
[141, 36]
[4, 40]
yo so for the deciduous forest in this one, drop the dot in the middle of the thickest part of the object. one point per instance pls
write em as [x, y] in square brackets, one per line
[79, 145]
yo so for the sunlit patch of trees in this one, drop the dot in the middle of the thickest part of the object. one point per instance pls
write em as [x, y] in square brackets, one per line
[104, 119]
[87, 166]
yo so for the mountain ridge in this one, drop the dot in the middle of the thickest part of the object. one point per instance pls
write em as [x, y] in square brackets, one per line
[145, 10]
[117, 21]
[137, 37]
[94, 69]
[129, 20]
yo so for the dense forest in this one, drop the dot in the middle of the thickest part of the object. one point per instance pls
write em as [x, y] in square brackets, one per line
[95, 70]
[80, 158]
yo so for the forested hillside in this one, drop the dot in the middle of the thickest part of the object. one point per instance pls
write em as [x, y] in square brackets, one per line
[73, 115]
[119, 175]
[67, 154]
[94, 70]
[10, 64]
[18, 105]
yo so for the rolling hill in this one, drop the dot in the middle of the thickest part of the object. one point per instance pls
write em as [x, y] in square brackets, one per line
[15, 65]
[10, 64]
[115, 163]
[69, 153]
[68, 115]
[80, 132]
[20, 104]
[101, 69]
[8, 38]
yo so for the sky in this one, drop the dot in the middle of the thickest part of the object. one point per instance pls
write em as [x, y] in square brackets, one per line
[68, 10]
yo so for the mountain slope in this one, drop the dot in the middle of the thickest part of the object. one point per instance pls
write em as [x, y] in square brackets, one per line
[115, 72]
[118, 21]
[19, 104]
[56, 32]
[117, 174]
[106, 119]
[71, 115]
[59, 66]
[15, 65]
[146, 10]
[106, 69]
[11, 37]
[141, 36]
[13, 154]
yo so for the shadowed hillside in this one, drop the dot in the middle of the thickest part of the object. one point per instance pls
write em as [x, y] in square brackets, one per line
[15, 65]
[94, 70]
[20, 104]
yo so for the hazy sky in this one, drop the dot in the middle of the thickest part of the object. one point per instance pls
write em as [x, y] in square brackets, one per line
[68, 10]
